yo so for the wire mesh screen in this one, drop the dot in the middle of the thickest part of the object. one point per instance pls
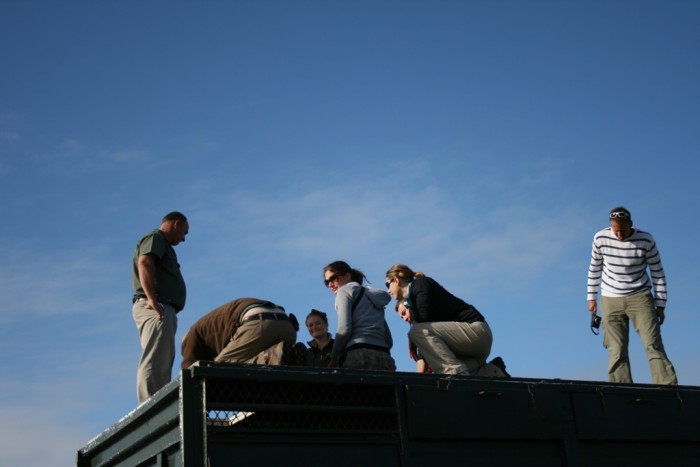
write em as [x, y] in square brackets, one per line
[310, 406]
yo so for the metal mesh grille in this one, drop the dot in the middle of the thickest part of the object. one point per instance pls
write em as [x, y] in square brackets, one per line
[265, 406]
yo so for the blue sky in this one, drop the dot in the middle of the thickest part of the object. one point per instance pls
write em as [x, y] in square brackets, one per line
[482, 142]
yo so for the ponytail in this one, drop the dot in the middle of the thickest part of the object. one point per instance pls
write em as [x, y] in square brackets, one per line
[403, 272]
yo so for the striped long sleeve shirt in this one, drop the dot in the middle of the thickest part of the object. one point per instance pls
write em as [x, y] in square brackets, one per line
[619, 267]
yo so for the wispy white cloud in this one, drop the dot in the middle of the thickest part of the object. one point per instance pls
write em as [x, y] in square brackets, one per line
[39, 436]
[9, 136]
[378, 221]
[68, 398]
[240, 232]
[8, 116]
[76, 158]
[36, 282]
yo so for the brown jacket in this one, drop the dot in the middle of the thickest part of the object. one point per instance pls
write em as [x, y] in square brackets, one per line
[213, 331]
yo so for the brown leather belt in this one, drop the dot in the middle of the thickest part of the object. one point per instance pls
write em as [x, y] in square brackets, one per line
[266, 315]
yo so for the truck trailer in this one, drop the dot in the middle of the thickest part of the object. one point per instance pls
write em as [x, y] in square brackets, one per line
[216, 414]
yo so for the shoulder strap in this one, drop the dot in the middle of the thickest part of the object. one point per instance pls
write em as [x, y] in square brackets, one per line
[357, 300]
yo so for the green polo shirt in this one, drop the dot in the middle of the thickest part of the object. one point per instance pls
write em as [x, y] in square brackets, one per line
[170, 285]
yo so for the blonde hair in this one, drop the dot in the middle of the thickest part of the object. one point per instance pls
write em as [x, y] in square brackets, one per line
[403, 272]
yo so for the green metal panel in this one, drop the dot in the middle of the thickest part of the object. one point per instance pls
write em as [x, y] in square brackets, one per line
[224, 414]
[153, 428]
[489, 453]
[485, 410]
[628, 413]
[603, 453]
[193, 420]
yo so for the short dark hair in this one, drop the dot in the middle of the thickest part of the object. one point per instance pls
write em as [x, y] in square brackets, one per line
[174, 216]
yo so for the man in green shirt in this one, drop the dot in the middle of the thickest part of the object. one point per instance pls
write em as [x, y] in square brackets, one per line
[159, 294]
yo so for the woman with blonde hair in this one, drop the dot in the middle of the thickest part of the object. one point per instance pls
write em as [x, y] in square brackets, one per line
[451, 335]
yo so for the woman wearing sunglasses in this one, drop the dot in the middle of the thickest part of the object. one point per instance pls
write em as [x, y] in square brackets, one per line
[363, 340]
[451, 335]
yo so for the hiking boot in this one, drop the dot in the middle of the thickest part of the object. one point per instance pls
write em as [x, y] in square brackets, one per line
[270, 356]
[498, 362]
[274, 354]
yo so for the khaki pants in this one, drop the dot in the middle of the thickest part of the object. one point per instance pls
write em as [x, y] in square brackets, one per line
[255, 336]
[451, 347]
[640, 308]
[157, 348]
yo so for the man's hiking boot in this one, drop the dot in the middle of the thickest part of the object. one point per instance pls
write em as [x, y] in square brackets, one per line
[270, 356]
[498, 361]
[493, 369]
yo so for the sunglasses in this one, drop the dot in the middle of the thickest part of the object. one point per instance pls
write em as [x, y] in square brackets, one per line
[619, 215]
[330, 279]
[388, 284]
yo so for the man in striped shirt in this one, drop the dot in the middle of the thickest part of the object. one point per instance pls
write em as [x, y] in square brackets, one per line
[619, 261]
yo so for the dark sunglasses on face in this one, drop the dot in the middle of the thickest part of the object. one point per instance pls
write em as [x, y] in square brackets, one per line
[619, 215]
[388, 284]
[330, 279]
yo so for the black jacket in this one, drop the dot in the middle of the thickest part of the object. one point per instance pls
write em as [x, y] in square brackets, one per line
[316, 357]
[431, 302]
